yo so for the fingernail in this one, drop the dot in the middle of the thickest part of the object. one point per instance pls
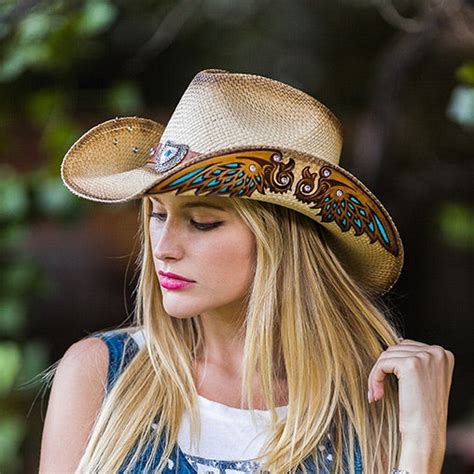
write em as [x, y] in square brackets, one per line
[369, 396]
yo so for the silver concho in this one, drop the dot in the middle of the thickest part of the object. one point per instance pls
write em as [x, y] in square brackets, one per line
[170, 155]
[326, 173]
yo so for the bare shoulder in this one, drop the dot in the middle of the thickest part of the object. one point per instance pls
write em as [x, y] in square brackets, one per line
[76, 396]
[87, 355]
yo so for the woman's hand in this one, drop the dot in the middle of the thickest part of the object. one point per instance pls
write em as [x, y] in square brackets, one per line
[424, 375]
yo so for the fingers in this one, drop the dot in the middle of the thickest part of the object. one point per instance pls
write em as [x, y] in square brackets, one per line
[411, 342]
[407, 357]
[405, 347]
[401, 353]
[384, 366]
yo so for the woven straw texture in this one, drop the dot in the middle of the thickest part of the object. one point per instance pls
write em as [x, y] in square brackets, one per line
[221, 110]
[220, 113]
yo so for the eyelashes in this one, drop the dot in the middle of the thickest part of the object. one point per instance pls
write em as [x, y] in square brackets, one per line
[197, 225]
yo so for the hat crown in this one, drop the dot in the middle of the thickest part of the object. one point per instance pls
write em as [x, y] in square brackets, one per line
[241, 135]
[222, 110]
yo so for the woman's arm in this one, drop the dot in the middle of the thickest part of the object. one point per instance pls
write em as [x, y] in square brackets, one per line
[76, 396]
[424, 381]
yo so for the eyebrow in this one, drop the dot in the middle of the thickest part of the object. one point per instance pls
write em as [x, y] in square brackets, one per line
[190, 205]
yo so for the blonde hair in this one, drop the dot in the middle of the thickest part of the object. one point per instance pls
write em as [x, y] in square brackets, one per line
[304, 314]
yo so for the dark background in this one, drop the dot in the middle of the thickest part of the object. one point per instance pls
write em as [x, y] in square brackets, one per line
[398, 74]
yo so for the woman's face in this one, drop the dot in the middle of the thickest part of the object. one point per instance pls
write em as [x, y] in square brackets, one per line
[202, 239]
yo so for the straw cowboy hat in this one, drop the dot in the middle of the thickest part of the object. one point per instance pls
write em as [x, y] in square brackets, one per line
[248, 136]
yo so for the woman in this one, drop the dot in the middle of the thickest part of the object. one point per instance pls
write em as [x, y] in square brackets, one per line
[260, 265]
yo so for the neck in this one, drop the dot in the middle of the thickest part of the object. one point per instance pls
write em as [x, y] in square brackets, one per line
[223, 342]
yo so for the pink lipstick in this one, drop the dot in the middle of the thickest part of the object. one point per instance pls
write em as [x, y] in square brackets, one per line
[173, 281]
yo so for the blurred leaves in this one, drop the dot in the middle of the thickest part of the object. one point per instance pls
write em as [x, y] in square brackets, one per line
[46, 109]
[11, 235]
[55, 200]
[461, 106]
[16, 62]
[461, 103]
[456, 221]
[97, 16]
[20, 364]
[36, 26]
[465, 73]
[13, 195]
[19, 278]
[42, 43]
[124, 98]
[47, 38]
[44, 104]
[12, 317]
[35, 357]
[36, 193]
[58, 135]
[12, 432]
[10, 365]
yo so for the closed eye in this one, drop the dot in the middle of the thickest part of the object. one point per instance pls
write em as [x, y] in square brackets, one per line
[200, 226]
[160, 217]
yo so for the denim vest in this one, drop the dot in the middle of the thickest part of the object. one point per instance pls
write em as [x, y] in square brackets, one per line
[117, 343]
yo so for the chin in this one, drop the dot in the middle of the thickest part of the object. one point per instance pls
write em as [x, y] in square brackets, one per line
[180, 311]
[180, 316]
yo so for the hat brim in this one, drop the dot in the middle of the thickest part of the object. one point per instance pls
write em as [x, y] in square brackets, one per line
[111, 164]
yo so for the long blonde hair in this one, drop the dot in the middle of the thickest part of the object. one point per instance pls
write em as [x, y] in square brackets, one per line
[304, 313]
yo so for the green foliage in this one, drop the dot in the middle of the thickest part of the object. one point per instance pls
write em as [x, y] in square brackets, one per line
[46, 39]
[10, 365]
[58, 135]
[456, 221]
[124, 99]
[461, 103]
[54, 199]
[465, 73]
[19, 278]
[42, 43]
[35, 357]
[461, 106]
[12, 235]
[12, 431]
[13, 196]
[44, 104]
[12, 316]
[6, 8]
[97, 16]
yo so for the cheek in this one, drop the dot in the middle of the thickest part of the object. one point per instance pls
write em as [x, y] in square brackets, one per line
[227, 261]
[153, 240]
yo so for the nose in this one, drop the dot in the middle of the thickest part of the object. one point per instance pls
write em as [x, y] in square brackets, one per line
[166, 242]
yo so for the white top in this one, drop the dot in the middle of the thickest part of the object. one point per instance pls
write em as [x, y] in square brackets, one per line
[227, 433]
[229, 436]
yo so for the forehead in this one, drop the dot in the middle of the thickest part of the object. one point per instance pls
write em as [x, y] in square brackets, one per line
[189, 202]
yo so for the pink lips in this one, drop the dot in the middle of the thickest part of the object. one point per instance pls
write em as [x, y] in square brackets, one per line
[172, 281]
